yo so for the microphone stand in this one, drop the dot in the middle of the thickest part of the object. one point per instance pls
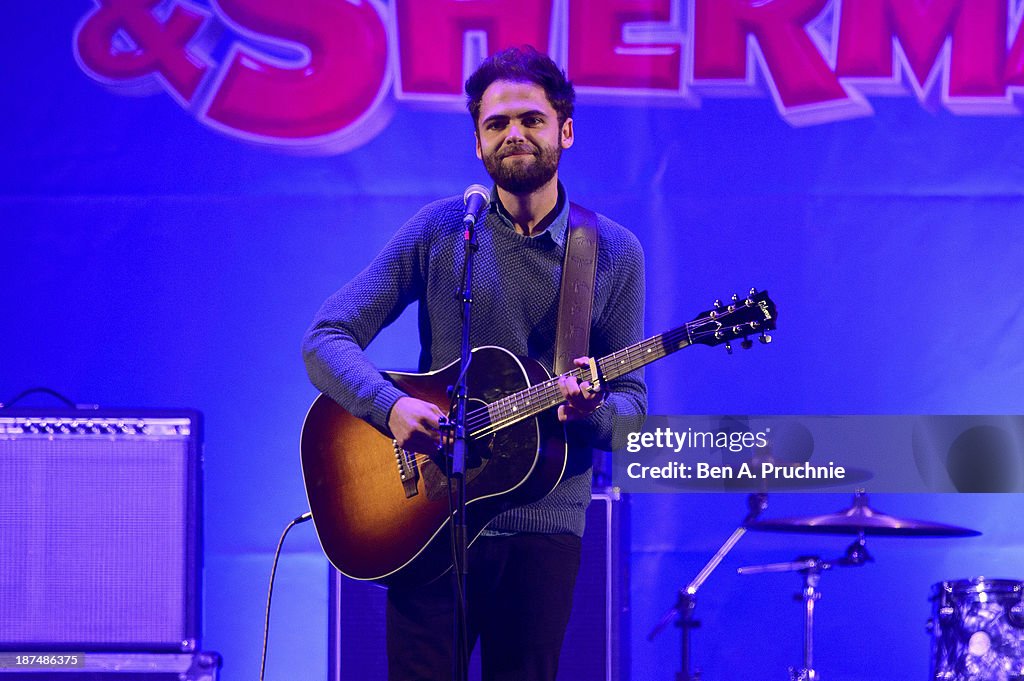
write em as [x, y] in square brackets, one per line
[455, 445]
[683, 609]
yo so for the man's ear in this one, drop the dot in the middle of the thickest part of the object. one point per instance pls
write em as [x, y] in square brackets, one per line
[479, 150]
[567, 133]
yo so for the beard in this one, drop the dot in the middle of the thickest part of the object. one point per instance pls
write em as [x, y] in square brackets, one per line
[525, 175]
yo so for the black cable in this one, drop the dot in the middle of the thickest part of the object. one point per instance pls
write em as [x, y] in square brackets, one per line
[38, 389]
[270, 593]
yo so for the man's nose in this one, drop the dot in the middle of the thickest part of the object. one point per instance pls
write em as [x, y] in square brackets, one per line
[515, 133]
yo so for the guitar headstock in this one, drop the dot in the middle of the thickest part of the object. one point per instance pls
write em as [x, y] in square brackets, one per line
[743, 317]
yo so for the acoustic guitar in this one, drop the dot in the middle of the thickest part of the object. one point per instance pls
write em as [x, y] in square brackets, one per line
[382, 513]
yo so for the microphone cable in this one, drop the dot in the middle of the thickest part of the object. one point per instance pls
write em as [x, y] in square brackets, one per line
[270, 593]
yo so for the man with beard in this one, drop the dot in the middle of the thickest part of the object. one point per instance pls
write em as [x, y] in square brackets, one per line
[523, 567]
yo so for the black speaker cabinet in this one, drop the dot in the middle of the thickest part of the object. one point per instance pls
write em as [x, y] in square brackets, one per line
[596, 643]
[100, 540]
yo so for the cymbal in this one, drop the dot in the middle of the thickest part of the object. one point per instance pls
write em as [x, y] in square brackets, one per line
[861, 518]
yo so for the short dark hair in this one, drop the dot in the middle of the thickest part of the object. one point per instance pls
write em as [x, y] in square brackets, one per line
[524, 65]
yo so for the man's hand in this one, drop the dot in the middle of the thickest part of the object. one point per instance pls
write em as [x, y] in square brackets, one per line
[580, 397]
[414, 425]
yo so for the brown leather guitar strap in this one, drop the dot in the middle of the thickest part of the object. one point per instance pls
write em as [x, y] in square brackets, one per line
[576, 300]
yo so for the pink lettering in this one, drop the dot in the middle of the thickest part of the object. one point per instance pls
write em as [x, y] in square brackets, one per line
[122, 40]
[316, 74]
[977, 30]
[431, 34]
[599, 57]
[794, 63]
[342, 76]
[1014, 71]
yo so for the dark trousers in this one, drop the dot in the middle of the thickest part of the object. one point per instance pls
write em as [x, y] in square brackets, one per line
[520, 595]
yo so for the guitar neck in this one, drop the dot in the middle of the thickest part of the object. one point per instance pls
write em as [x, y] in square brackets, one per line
[755, 313]
[546, 395]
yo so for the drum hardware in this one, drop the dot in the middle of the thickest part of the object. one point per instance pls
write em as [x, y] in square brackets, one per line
[812, 567]
[682, 612]
[683, 609]
[860, 520]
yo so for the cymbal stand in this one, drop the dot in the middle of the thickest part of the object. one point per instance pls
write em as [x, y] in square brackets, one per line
[811, 569]
[810, 595]
[686, 601]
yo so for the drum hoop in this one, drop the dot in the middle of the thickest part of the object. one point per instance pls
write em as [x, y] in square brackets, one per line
[977, 585]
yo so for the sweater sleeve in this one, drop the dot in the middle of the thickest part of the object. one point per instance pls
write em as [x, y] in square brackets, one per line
[354, 315]
[621, 324]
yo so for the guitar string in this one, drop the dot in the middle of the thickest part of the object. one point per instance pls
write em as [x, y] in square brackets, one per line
[547, 390]
[507, 410]
[538, 398]
[624, 356]
[508, 407]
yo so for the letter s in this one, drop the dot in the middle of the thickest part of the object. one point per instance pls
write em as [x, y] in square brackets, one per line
[343, 77]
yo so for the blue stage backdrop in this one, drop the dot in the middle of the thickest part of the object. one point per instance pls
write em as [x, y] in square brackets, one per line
[183, 183]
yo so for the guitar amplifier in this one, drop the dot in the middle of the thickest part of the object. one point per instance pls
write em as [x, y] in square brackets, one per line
[596, 644]
[100, 530]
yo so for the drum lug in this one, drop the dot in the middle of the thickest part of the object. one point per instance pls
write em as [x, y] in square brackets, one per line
[1016, 615]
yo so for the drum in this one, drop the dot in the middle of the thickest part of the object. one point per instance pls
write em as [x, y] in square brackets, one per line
[977, 629]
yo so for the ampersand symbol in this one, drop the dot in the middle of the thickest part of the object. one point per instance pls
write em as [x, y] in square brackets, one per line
[154, 45]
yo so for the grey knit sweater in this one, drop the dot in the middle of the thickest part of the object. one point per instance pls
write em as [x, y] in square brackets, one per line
[515, 306]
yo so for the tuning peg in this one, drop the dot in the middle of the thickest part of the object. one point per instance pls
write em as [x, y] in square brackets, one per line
[765, 338]
[735, 297]
[752, 292]
[718, 304]
[728, 348]
[747, 344]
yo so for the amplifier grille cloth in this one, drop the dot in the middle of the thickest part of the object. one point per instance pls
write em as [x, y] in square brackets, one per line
[92, 539]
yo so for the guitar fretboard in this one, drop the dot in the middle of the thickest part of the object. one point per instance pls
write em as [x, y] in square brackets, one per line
[721, 325]
[537, 398]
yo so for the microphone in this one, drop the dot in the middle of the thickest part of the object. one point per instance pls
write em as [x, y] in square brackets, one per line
[476, 197]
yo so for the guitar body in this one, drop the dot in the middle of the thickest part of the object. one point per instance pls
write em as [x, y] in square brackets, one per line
[367, 522]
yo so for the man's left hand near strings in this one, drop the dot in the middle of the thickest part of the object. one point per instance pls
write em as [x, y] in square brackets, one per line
[581, 400]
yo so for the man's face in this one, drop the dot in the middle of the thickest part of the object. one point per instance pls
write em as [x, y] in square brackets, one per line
[518, 136]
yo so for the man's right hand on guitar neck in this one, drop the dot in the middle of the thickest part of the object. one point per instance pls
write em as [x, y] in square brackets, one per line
[414, 425]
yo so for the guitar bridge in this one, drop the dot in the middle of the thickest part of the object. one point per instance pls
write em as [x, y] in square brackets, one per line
[408, 471]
